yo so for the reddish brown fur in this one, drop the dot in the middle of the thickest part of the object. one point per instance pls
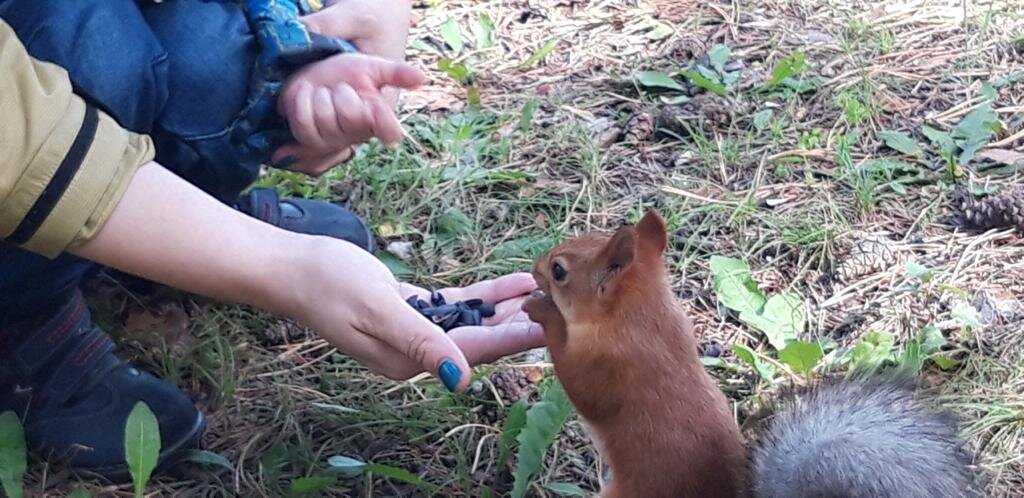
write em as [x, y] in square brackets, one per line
[627, 357]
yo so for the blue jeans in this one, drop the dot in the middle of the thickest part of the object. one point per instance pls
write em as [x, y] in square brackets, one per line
[180, 71]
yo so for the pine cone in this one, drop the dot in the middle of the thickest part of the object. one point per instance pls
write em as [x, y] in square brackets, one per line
[871, 254]
[998, 211]
[512, 385]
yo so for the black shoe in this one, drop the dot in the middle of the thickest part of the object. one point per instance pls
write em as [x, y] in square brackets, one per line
[73, 396]
[307, 216]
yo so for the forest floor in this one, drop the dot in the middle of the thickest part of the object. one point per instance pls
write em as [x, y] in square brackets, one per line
[795, 145]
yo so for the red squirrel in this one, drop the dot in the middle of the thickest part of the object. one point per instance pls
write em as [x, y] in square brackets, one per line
[626, 354]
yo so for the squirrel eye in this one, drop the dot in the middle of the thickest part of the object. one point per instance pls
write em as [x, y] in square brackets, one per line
[558, 272]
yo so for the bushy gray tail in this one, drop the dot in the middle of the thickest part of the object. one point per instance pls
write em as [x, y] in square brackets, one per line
[856, 439]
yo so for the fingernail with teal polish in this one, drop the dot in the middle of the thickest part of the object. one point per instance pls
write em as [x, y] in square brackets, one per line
[450, 374]
[285, 162]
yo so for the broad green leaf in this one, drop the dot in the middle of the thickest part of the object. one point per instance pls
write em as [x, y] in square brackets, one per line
[764, 369]
[709, 73]
[208, 458]
[900, 141]
[761, 119]
[719, 55]
[944, 362]
[675, 99]
[974, 131]
[544, 421]
[919, 272]
[967, 315]
[452, 35]
[802, 356]
[526, 117]
[912, 358]
[458, 72]
[346, 466]
[312, 484]
[660, 31]
[423, 46]
[940, 138]
[473, 96]
[400, 475]
[141, 445]
[454, 222]
[873, 349]
[781, 320]
[566, 489]
[80, 493]
[657, 79]
[484, 31]
[734, 285]
[514, 423]
[710, 362]
[273, 461]
[787, 68]
[540, 54]
[931, 339]
[13, 459]
[700, 80]
[980, 124]
[528, 247]
[398, 267]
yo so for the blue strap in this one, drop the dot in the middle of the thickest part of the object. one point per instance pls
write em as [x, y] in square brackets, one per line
[286, 45]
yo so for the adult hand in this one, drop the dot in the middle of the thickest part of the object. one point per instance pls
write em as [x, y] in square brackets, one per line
[351, 299]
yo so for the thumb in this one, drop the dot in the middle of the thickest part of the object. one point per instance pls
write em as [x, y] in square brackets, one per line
[395, 74]
[425, 344]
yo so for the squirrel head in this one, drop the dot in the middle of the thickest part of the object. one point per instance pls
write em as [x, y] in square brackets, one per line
[583, 278]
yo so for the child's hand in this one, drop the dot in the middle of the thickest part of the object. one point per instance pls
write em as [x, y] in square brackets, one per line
[375, 27]
[338, 103]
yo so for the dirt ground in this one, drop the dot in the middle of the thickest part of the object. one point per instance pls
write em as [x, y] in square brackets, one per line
[544, 119]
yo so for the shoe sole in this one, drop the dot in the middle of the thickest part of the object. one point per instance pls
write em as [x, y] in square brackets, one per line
[168, 455]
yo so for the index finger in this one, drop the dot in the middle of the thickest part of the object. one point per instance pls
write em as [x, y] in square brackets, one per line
[493, 291]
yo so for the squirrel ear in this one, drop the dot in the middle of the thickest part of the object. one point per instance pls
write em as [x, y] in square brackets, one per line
[652, 234]
[617, 256]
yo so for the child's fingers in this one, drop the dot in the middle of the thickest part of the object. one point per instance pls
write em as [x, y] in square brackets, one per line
[386, 126]
[354, 116]
[301, 120]
[325, 113]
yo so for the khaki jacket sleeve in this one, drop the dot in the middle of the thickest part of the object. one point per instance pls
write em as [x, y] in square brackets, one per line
[64, 165]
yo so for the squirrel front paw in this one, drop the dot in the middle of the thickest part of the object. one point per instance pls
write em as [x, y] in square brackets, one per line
[541, 308]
